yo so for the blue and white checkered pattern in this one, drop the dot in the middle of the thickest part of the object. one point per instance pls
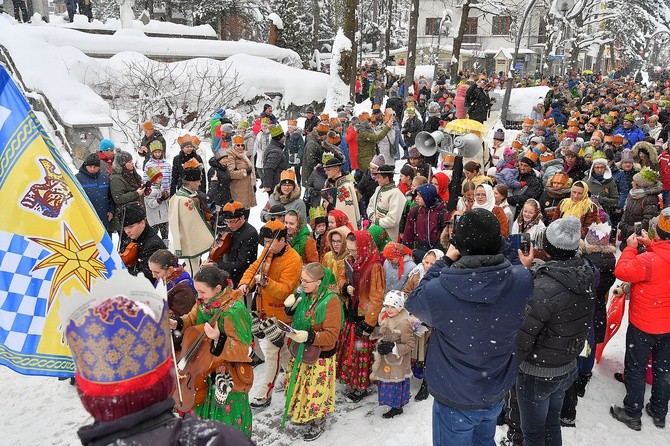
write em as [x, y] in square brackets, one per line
[107, 254]
[23, 293]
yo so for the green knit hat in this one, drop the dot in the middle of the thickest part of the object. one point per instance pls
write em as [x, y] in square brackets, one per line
[646, 177]
[276, 131]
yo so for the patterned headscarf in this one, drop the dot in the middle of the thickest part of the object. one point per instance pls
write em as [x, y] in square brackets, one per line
[398, 251]
[380, 236]
[341, 219]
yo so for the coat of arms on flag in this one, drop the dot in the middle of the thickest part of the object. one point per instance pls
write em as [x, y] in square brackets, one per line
[51, 241]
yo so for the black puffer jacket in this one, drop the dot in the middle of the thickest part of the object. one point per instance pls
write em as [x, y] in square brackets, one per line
[219, 189]
[604, 262]
[558, 316]
[156, 425]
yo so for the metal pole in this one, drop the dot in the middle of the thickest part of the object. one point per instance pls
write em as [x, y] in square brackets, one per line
[517, 43]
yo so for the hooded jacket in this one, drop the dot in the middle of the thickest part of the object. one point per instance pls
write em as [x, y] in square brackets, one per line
[274, 162]
[558, 317]
[640, 209]
[648, 273]
[603, 190]
[475, 307]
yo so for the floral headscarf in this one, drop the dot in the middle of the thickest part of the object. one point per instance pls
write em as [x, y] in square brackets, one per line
[341, 219]
[398, 251]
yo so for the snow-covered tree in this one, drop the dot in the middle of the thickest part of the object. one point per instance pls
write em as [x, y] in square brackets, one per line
[296, 33]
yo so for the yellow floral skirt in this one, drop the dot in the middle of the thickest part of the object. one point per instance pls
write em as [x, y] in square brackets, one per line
[314, 390]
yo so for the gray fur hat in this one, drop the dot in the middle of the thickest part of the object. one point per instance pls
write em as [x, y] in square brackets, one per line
[561, 239]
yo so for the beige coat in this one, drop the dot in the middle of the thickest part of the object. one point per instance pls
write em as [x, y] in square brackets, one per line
[394, 367]
[385, 209]
[242, 179]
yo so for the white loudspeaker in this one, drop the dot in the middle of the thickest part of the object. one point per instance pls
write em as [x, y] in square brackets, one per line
[468, 145]
[428, 143]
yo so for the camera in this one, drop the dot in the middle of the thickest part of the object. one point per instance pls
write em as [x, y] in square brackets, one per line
[524, 243]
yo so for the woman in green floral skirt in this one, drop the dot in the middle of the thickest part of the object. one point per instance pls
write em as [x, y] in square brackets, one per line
[317, 320]
[227, 397]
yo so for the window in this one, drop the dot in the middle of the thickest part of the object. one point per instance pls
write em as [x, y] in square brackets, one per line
[501, 25]
[542, 31]
[471, 26]
[432, 26]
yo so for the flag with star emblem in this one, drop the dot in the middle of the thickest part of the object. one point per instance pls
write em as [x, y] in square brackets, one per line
[51, 241]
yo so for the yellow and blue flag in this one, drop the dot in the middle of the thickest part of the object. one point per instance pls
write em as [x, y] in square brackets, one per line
[51, 241]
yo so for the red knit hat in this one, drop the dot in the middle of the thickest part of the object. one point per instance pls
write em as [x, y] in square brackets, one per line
[119, 336]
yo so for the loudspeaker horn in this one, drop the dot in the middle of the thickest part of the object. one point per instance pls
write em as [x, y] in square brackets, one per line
[428, 143]
[468, 145]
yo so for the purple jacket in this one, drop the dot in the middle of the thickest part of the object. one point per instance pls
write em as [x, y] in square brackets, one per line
[424, 226]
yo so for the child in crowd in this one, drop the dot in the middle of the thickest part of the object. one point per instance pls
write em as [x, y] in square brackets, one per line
[391, 368]
[156, 203]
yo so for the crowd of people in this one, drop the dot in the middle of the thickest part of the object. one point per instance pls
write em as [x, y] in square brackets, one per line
[359, 257]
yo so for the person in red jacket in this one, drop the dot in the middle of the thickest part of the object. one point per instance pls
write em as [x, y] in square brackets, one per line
[649, 327]
[352, 143]
[664, 170]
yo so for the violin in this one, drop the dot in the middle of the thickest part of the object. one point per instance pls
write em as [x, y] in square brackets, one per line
[130, 254]
[194, 361]
[220, 246]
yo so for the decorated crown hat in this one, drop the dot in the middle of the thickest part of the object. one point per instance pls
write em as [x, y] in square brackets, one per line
[155, 145]
[120, 343]
[188, 140]
[233, 209]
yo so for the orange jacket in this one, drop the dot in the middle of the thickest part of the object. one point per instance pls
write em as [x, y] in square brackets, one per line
[283, 278]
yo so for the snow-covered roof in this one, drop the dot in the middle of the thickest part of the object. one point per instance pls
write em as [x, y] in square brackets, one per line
[154, 26]
[508, 53]
[422, 46]
[133, 39]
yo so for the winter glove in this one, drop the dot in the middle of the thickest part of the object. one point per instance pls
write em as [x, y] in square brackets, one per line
[302, 336]
[223, 384]
[385, 347]
[217, 347]
[362, 329]
[258, 325]
[290, 304]
[274, 334]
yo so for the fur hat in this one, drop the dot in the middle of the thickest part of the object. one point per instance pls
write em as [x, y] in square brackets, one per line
[378, 160]
[273, 228]
[499, 135]
[120, 343]
[477, 232]
[645, 177]
[561, 239]
[92, 160]
[333, 138]
[395, 298]
[153, 173]
[233, 209]
[287, 175]
[192, 171]
[663, 225]
[121, 157]
[133, 213]
[188, 140]
[105, 145]
[147, 126]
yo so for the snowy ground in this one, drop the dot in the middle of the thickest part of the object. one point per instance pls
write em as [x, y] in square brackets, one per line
[45, 411]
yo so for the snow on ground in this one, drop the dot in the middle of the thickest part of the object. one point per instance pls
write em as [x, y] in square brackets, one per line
[111, 24]
[40, 411]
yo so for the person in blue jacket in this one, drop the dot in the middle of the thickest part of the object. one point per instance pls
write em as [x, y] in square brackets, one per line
[475, 307]
[96, 186]
[631, 133]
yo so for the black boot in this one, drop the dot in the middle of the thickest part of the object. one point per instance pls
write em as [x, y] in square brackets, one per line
[393, 412]
[620, 414]
[423, 392]
[582, 381]
[658, 422]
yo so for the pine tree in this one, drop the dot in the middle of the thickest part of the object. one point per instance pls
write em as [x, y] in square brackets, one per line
[296, 33]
